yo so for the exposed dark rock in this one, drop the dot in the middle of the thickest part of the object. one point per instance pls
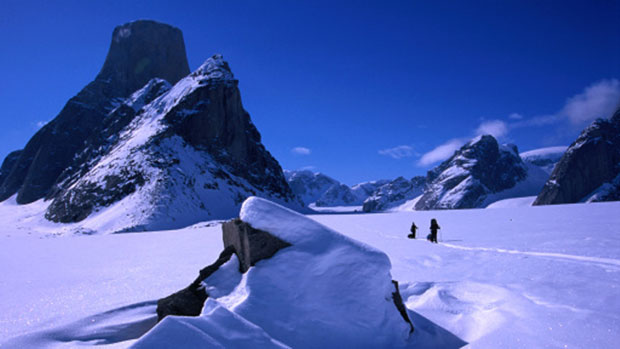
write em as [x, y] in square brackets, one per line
[140, 51]
[201, 117]
[8, 163]
[251, 245]
[75, 205]
[212, 118]
[592, 161]
[481, 167]
[190, 300]
[398, 302]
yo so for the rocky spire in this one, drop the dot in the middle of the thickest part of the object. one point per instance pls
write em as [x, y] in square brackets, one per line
[142, 50]
[139, 51]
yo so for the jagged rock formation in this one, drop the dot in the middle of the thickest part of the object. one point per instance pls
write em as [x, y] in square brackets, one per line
[190, 154]
[394, 193]
[590, 168]
[139, 51]
[338, 195]
[474, 176]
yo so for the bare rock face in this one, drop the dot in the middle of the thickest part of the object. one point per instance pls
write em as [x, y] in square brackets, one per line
[251, 245]
[591, 162]
[8, 163]
[143, 50]
[140, 51]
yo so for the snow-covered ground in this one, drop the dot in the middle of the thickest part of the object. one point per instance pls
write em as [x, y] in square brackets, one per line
[513, 276]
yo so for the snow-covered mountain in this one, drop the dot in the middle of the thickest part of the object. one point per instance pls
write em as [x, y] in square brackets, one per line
[394, 193]
[323, 191]
[590, 168]
[479, 173]
[366, 189]
[545, 158]
[163, 157]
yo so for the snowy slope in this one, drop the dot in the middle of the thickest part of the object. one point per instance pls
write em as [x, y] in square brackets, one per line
[158, 174]
[517, 277]
[545, 158]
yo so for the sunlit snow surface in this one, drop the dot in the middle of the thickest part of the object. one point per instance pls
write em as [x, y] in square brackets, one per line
[507, 277]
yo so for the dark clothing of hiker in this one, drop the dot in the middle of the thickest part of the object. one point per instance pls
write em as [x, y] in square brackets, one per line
[434, 227]
[413, 229]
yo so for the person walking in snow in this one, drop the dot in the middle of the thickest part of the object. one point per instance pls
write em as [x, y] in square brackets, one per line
[413, 229]
[434, 227]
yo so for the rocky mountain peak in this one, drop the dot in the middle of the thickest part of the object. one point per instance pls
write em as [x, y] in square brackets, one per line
[481, 167]
[215, 68]
[141, 50]
[590, 168]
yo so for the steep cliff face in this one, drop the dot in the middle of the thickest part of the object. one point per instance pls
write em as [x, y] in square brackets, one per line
[478, 170]
[191, 154]
[589, 169]
[140, 51]
[8, 163]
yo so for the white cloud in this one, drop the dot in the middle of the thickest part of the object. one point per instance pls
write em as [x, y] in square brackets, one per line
[515, 116]
[301, 151]
[598, 100]
[399, 152]
[496, 128]
[441, 152]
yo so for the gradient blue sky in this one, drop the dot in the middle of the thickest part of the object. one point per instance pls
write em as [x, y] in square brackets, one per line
[359, 90]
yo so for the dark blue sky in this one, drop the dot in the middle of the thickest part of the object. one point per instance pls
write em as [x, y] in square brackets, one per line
[370, 88]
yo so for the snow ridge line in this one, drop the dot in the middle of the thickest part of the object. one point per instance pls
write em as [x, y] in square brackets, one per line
[594, 260]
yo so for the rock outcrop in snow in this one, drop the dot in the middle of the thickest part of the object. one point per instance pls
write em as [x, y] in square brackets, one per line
[139, 51]
[590, 168]
[394, 193]
[324, 290]
[481, 172]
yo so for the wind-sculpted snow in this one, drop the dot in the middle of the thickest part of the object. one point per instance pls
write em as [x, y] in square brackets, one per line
[326, 290]
[512, 277]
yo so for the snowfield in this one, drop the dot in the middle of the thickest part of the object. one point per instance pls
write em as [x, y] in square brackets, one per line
[513, 276]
